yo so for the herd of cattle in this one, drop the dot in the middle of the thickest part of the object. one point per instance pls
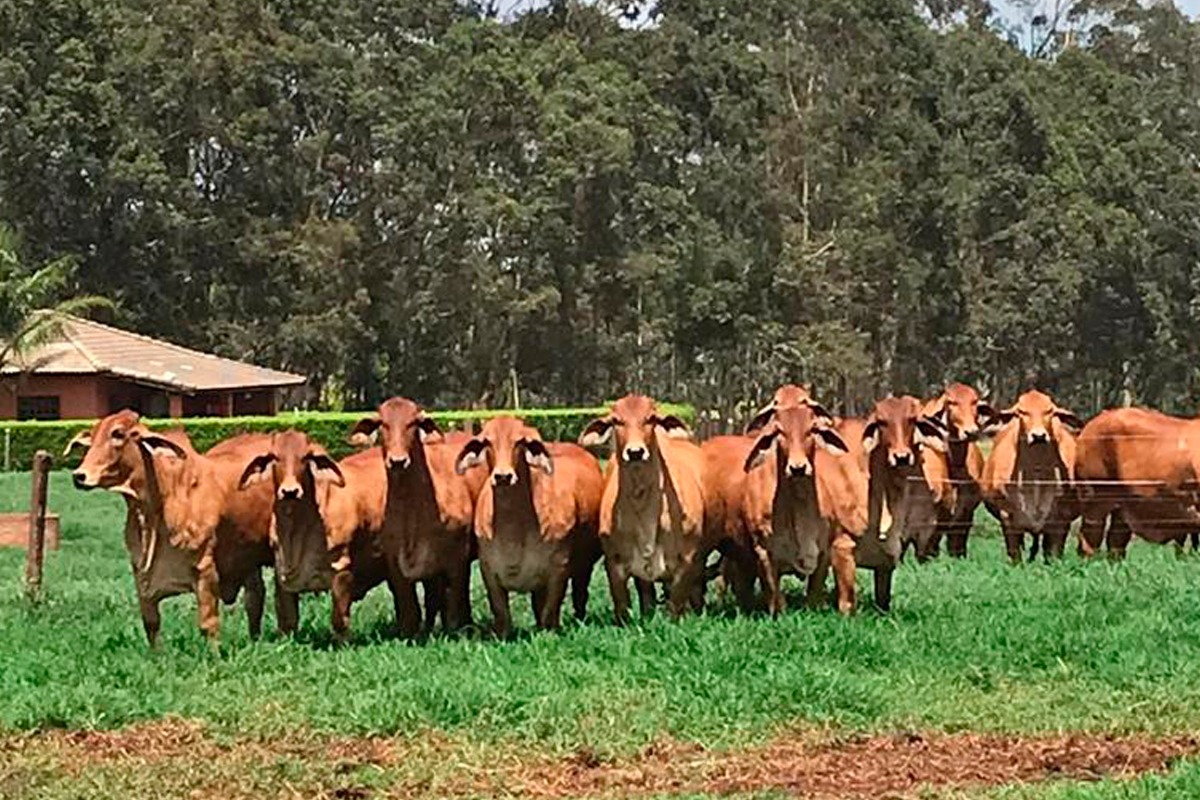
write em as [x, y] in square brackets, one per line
[802, 491]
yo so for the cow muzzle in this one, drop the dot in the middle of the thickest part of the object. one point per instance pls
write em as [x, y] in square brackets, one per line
[504, 478]
[290, 492]
[635, 453]
[81, 480]
[399, 462]
[1039, 437]
[903, 458]
[800, 470]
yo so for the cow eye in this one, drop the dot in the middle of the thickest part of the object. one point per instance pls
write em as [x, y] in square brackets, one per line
[618, 422]
[118, 435]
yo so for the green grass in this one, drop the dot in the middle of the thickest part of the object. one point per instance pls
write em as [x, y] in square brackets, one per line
[970, 645]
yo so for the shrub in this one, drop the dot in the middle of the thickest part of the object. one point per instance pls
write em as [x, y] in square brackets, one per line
[20, 440]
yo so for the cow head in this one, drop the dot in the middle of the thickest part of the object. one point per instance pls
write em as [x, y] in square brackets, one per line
[898, 426]
[963, 411]
[292, 462]
[787, 396]
[1039, 418]
[633, 424]
[116, 447]
[400, 427]
[796, 432]
[503, 443]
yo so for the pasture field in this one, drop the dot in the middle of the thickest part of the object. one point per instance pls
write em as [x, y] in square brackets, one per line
[977, 661]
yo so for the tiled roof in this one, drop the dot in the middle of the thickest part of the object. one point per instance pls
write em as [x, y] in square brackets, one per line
[90, 348]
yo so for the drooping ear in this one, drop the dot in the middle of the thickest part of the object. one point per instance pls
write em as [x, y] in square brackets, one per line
[829, 440]
[936, 422]
[1068, 418]
[760, 420]
[984, 413]
[364, 432]
[596, 433]
[157, 445]
[998, 420]
[324, 468]
[473, 452]
[871, 435]
[256, 470]
[82, 439]
[430, 433]
[819, 411]
[538, 456]
[758, 453]
[930, 433]
[673, 426]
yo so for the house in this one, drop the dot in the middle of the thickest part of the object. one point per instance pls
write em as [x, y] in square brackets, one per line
[94, 369]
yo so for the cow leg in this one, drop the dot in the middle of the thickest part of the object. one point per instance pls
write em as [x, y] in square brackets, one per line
[208, 597]
[1091, 531]
[844, 568]
[883, 589]
[434, 591]
[498, 600]
[458, 596]
[618, 587]
[255, 599]
[647, 597]
[683, 585]
[769, 576]
[582, 565]
[550, 611]
[815, 596]
[151, 621]
[933, 547]
[287, 609]
[1195, 541]
[342, 589]
[404, 601]
[1035, 540]
[1014, 543]
[1118, 537]
[956, 541]
[1054, 541]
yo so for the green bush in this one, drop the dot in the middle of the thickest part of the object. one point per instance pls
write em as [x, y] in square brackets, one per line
[20, 440]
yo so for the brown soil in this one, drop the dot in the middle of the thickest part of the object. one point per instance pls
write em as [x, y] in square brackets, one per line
[895, 766]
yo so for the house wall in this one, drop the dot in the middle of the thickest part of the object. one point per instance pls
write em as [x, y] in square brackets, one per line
[94, 396]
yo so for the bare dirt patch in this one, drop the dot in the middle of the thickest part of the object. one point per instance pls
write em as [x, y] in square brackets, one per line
[895, 766]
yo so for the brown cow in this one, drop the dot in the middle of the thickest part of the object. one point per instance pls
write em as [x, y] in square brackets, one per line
[427, 527]
[1140, 470]
[184, 531]
[805, 504]
[1028, 478]
[327, 525]
[964, 414]
[535, 519]
[908, 477]
[652, 512]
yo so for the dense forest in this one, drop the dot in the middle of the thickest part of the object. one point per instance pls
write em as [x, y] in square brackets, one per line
[694, 198]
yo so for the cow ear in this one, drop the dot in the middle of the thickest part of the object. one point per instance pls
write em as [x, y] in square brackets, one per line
[984, 413]
[473, 453]
[256, 470]
[1069, 419]
[871, 435]
[364, 432]
[820, 412]
[760, 420]
[998, 420]
[829, 441]
[429, 431]
[596, 433]
[324, 468]
[157, 445]
[758, 453]
[931, 434]
[538, 456]
[82, 439]
[673, 426]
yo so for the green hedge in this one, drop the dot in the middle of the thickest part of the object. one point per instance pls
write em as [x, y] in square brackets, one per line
[20, 440]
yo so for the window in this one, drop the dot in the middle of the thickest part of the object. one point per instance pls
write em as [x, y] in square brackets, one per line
[38, 407]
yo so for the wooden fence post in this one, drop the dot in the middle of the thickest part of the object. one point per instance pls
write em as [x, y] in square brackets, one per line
[36, 546]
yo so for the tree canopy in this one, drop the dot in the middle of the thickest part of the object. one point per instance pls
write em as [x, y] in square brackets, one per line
[421, 198]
